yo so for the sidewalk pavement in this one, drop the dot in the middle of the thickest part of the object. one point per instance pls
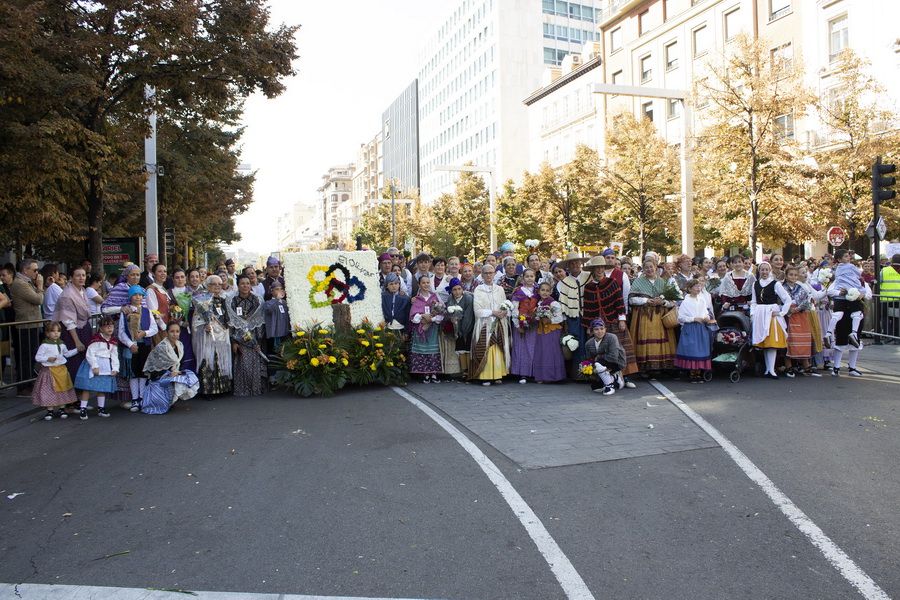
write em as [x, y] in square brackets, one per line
[13, 408]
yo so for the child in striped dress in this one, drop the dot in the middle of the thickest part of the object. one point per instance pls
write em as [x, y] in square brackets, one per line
[53, 388]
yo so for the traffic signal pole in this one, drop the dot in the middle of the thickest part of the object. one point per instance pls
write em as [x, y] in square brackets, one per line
[880, 192]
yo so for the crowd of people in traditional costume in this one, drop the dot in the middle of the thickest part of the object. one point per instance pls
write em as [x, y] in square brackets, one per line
[143, 339]
[608, 319]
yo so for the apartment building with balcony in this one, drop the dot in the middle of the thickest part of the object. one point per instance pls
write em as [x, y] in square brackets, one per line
[336, 190]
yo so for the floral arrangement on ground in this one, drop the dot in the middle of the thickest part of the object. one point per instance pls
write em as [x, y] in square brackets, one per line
[319, 361]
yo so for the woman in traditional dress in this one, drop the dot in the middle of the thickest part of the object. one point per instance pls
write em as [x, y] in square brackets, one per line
[490, 339]
[510, 278]
[159, 299]
[769, 305]
[116, 302]
[246, 317]
[180, 312]
[395, 305]
[817, 295]
[654, 348]
[73, 311]
[212, 349]
[425, 317]
[603, 299]
[736, 287]
[694, 344]
[169, 381]
[524, 334]
[800, 348]
[456, 330]
[548, 359]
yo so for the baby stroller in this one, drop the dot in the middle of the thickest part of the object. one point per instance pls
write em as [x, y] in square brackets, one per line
[732, 344]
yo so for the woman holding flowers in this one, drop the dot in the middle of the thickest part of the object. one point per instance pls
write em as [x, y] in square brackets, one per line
[548, 359]
[425, 317]
[212, 349]
[490, 338]
[524, 301]
[179, 312]
[456, 330]
[246, 317]
[654, 344]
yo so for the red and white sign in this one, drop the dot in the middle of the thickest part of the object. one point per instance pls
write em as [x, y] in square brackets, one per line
[836, 236]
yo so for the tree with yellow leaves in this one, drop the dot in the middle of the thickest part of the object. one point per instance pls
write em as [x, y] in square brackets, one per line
[751, 181]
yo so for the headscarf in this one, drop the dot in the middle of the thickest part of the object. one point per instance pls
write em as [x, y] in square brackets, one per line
[597, 323]
[119, 296]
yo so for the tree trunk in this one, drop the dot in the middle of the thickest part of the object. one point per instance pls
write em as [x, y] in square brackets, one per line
[95, 224]
[340, 314]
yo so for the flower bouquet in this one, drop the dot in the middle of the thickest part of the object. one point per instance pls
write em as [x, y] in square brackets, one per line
[671, 293]
[543, 312]
[176, 313]
[825, 275]
[853, 294]
[507, 306]
[569, 345]
[586, 367]
[455, 311]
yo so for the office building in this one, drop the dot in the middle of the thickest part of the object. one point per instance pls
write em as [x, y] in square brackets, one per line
[400, 135]
[336, 189]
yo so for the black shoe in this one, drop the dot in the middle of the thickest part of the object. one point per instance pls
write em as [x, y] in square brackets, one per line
[790, 373]
[770, 376]
[135, 406]
[835, 372]
[103, 412]
[48, 416]
[82, 414]
[60, 414]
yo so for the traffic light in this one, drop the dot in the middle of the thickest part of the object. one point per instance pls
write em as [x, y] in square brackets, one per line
[880, 184]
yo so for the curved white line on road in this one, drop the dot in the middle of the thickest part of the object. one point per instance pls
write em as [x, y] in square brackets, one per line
[831, 551]
[569, 579]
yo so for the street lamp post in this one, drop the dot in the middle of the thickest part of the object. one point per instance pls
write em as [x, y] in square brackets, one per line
[393, 217]
[687, 183]
[150, 167]
[491, 197]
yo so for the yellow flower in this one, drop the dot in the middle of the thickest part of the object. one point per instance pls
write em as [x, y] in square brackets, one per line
[314, 362]
[379, 345]
[332, 359]
[360, 331]
[364, 343]
[345, 362]
[378, 329]
[301, 333]
[374, 337]
[302, 351]
[390, 364]
[373, 366]
[323, 331]
[322, 346]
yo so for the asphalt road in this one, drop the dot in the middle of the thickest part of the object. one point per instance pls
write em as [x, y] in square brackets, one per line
[364, 495]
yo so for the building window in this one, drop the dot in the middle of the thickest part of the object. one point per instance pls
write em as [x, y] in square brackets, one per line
[702, 92]
[838, 37]
[784, 127]
[615, 39]
[778, 8]
[671, 56]
[834, 100]
[673, 108]
[643, 22]
[646, 68]
[732, 26]
[667, 10]
[617, 79]
[647, 110]
[701, 41]
[783, 58]
[387, 128]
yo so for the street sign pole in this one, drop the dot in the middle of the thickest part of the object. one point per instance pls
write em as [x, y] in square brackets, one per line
[151, 224]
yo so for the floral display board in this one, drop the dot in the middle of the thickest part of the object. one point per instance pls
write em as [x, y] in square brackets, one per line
[316, 280]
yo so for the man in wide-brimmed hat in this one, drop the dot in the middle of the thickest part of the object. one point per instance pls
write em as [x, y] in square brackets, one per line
[571, 297]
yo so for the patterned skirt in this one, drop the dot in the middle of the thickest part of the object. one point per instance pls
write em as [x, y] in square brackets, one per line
[799, 336]
[425, 352]
[654, 345]
[249, 373]
[44, 393]
[212, 381]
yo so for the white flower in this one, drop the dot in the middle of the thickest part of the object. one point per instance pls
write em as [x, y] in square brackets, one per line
[570, 342]
[507, 306]
[852, 294]
[532, 243]
[825, 275]
[455, 308]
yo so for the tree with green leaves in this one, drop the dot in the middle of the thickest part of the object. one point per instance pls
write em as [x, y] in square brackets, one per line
[638, 183]
[749, 180]
[96, 61]
[464, 216]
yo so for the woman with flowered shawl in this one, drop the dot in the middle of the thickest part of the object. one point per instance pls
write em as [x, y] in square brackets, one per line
[490, 339]
[456, 330]
[654, 344]
[212, 348]
[246, 318]
[425, 318]
[74, 313]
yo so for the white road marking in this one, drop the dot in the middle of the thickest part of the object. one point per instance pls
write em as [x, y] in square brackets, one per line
[831, 551]
[569, 579]
[40, 591]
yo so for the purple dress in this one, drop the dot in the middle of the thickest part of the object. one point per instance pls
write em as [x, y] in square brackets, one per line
[425, 352]
[548, 358]
[523, 333]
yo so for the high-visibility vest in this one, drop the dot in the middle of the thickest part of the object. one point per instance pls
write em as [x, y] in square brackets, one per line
[890, 284]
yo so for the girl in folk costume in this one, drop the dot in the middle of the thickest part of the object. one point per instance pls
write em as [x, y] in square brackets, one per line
[849, 326]
[425, 317]
[603, 300]
[694, 344]
[136, 330]
[548, 359]
[456, 331]
[768, 307]
[490, 337]
[800, 346]
[608, 357]
[100, 369]
[53, 388]
[817, 296]
[736, 287]
[159, 299]
[117, 302]
[212, 347]
[395, 304]
[278, 320]
[524, 334]
[180, 312]
[654, 343]
[169, 380]
[246, 318]
[74, 313]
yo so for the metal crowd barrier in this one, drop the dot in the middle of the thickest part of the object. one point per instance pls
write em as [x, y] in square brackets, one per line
[19, 341]
[883, 319]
